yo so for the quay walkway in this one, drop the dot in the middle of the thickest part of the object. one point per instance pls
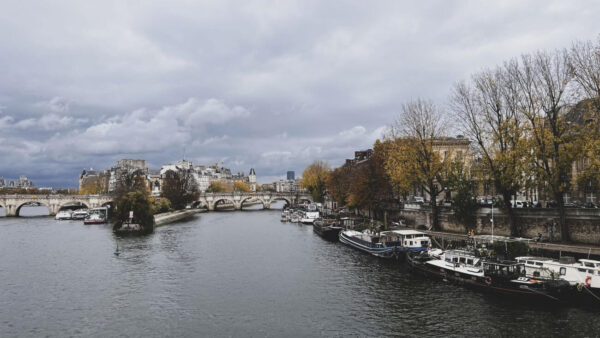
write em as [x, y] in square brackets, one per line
[581, 249]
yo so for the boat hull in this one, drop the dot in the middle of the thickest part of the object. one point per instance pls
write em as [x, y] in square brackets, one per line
[385, 252]
[328, 232]
[488, 284]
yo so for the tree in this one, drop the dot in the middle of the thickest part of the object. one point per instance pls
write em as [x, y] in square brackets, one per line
[489, 109]
[544, 80]
[180, 188]
[93, 186]
[132, 194]
[241, 186]
[139, 203]
[216, 187]
[314, 178]
[413, 158]
[161, 205]
[585, 64]
[338, 184]
[584, 60]
[462, 183]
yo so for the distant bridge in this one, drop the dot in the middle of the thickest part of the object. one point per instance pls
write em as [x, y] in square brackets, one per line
[237, 199]
[12, 204]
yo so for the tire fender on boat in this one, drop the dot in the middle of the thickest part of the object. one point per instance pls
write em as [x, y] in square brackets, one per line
[588, 281]
[488, 280]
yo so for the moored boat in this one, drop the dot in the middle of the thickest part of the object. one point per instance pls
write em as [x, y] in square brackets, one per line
[583, 275]
[500, 277]
[80, 214]
[369, 242]
[96, 216]
[64, 215]
[328, 229]
[309, 217]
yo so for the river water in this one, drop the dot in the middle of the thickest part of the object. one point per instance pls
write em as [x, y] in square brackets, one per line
[240, 274]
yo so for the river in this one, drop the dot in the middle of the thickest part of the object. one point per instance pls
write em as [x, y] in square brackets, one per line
[240, 274]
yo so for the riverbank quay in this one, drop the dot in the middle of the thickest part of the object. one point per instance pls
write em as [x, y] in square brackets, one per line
[175, 216]
[557, 248]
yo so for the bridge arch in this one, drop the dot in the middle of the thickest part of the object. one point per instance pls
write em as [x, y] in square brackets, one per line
[265, 205]
[27, 203]
[72, 203]
[282, 198]
[215, 203]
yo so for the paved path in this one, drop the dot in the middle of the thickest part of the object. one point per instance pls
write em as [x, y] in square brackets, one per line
[574, 248]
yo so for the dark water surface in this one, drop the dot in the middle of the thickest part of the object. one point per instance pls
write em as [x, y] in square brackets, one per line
[239, 274]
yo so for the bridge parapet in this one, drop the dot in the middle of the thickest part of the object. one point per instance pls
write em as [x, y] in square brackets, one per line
[13, 203]
[237, 199]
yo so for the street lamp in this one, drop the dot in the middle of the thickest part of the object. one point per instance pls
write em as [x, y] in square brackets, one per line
[492, 220]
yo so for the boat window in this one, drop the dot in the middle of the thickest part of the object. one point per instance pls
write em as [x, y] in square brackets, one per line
[591, 272]
[563, 271]
[462, 259]
[470, 261]
[580, 269]
[539, 263]
[530, 262]
[536, 274]
[411, 243]
[455, 259]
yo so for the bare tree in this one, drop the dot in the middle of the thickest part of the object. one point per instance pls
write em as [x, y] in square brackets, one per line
[585, 64]
[488, 108]
[545, 79]
[414, 158]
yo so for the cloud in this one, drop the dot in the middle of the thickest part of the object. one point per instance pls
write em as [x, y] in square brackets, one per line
[262, 84]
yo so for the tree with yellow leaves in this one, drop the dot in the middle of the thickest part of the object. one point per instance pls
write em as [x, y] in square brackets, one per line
[412, 159]
[314, 178]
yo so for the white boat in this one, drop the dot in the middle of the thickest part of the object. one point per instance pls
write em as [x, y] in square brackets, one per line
[309, 217]
[96, 216]
[407, 240]
[80, 214]
[64, 214]
[585, 273]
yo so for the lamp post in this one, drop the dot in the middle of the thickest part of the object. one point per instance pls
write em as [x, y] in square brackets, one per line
[492, 220]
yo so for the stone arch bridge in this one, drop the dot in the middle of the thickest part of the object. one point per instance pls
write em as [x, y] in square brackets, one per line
[12, 203]
[237, 199]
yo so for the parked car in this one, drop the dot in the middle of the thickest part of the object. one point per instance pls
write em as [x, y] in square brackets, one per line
[419, 199]
[516, 204]
[589, 205]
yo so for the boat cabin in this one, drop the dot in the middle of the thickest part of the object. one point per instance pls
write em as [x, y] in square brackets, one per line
[504, 269]
[462, 257]
[409, 239]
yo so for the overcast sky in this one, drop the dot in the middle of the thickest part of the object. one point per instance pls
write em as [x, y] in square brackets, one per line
[264, 84]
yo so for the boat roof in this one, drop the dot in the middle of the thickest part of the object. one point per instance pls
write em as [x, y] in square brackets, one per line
[490, 238]
[407, 232]
[534, 258]
[589, 261]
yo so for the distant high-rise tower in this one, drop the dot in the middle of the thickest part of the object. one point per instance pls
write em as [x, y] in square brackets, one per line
[291, 175]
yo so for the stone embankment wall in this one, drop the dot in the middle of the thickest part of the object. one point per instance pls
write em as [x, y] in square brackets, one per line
[584, 224]
[171, 217]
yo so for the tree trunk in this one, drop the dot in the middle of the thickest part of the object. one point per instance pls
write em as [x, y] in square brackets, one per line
[515, 230]
[565, 236]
